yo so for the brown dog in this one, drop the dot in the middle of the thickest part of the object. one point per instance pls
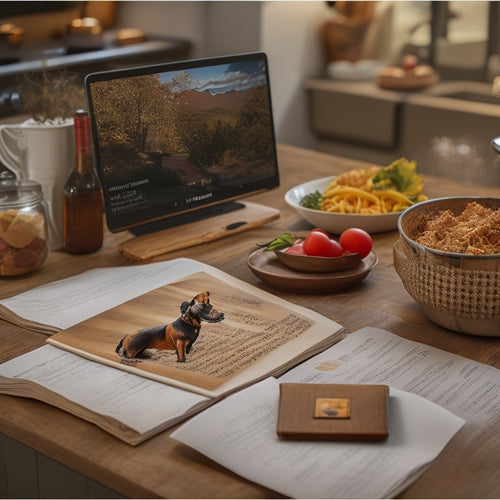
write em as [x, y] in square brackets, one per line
[179, 335]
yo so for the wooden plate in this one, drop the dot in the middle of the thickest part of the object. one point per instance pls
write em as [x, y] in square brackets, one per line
[267, 267]
[313, 264]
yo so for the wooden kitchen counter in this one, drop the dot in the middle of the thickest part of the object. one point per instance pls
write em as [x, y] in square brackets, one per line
[162, 467]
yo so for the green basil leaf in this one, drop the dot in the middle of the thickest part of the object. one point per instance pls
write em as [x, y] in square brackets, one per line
[284, 240]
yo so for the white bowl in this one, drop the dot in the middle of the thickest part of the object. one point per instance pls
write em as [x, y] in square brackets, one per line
[333, 222]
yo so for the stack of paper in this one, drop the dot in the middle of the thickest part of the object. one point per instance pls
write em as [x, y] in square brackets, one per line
[240, 434]
[432, 393]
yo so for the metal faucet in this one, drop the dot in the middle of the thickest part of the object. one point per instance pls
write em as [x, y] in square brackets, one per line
[441, 15]
[495, 90]
[493, 46]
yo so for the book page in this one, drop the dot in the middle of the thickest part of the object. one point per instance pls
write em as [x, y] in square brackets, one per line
[141, 404]
[66, 302]
[240, 434]
[374, 356]
[257, 336]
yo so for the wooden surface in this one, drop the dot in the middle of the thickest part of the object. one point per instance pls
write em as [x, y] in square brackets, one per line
[161, 467]
[148, 246]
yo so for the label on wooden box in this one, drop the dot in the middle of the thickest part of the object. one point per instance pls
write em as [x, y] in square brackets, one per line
[333, 412]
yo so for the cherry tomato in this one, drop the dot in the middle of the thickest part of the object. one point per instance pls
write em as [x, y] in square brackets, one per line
[337, 249]
[321, 231]
[319, 244]
[355, 240]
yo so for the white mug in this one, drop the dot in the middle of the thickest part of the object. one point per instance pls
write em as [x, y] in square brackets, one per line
[44, 153]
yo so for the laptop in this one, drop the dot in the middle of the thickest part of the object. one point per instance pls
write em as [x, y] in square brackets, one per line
[183, 140]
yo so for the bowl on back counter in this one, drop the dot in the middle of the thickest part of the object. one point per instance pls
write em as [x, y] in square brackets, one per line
[448, 259]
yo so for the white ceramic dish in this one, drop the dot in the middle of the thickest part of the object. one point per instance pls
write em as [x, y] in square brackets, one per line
[336, 223]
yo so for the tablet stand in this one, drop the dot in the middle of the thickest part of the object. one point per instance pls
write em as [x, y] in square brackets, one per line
[186, 218]
[148, 246]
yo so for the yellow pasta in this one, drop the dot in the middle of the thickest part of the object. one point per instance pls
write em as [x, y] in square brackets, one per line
[353, 193]
[350, 200]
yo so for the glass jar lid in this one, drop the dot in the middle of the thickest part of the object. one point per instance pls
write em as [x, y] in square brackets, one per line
[18, 193]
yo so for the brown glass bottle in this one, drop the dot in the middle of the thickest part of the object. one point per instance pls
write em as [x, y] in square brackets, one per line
[82, 198]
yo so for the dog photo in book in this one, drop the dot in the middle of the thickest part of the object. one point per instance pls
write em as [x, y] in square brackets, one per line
[251, 331]
[180, 335]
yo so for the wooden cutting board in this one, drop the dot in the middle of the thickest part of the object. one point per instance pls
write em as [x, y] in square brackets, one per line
[146, 247]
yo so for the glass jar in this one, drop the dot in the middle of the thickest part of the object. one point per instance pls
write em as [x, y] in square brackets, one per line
[23, 226]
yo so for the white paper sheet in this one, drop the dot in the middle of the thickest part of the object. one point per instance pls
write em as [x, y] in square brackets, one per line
[139, 403]
[467, 388]
[66, 302]
[240, 434]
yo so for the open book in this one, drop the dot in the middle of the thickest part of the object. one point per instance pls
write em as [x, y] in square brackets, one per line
[260, 335]
[130, 407]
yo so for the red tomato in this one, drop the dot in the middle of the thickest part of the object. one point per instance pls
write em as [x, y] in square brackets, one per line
[321, 231]
[355, 240]
[297, 248]
[319, 244]
[337, 249]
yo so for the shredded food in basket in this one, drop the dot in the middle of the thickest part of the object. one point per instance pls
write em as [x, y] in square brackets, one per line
[476, 231]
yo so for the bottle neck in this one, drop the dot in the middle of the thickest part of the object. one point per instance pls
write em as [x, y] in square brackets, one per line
[83, 158]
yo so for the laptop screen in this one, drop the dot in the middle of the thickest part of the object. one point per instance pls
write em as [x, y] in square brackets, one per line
[176, 138]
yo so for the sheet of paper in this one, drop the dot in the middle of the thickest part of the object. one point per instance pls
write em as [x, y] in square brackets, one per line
[467, 388]
[139, 403]
[256, 336]
[65, 303]
[240, 434]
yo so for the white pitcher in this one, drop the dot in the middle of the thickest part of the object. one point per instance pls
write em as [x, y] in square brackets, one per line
[43, 152]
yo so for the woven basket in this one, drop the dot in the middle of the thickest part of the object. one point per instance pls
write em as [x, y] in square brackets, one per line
[436, 282]
[460, 292]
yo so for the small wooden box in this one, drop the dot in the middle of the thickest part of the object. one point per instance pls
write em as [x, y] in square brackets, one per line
[333, 412]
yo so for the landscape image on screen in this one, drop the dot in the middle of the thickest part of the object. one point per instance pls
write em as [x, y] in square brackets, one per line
[182, 139]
